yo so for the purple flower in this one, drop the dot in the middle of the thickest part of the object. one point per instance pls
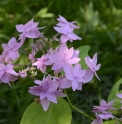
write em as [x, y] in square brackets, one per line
[29, 30]
[42, 62]
[11, 50]
[75, 75]
[92, 64]
[66, 29]
[63, 21]
[67, 33]
[47, 91]
[103, 111]
[7, 73]
[105, 106]
[63, 57]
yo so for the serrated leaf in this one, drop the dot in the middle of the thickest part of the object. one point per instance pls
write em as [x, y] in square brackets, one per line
[83, 53]
[113, 92]
[56, 114]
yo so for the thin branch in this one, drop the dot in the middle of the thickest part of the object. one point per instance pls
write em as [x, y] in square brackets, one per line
[81, 112]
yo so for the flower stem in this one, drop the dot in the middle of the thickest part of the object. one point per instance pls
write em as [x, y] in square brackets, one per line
[81, 112]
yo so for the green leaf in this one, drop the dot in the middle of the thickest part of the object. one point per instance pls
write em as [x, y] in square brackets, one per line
[59, 113]
[110, 122]
[114, 91]
[83, 53]
[43, 13]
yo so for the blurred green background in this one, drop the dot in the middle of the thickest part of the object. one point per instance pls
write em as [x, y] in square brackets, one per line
[100, 23]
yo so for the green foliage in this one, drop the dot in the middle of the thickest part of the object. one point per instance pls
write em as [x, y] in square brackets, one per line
[110, 122]
[56, 114]
[100, 23]
[83, 53]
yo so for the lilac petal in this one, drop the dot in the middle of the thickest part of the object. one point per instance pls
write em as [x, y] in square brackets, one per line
[88, 76]
[94, 122]
[12, 55]
[62, 19]
[111, 103]
[17, 46]
[8, 66]
[30, 34]
[67, 29]
[5, 47]
[58, 29]
[17, 54]
[43, 68]
[97, 67]
[82, 73]
[94, 60]
[38, 82]
[74, 85]
[45, 103]
[74, 36]
[88, 62]
[73, 60]
[29, 23]
[43, 95]
[64, 38]
[60, 56]
[48, 62]
[20, 28]
[22, 39]
[38, 64]
[34, 92]
[51, 97]
[68, 68]
[53, 57]
[5, 78]
[2, 66]
[69, 53]
[1, 73]
[119, 95]
[59, 93]
[53, 86]
[58, 65]
[11, 71]
[76, 69]
[79, 86]
[63, 48]
[79, 78]
[106, 116]
[69, 76]
[65, 83]
[12, 42]
[76, 53]
[35, 25]
[103, 103]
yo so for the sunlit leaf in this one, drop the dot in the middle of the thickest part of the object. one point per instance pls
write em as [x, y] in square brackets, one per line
[56, 114]
[44, 14]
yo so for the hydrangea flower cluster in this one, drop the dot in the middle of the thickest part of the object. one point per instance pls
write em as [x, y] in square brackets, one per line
[103, 111]
[63, 61]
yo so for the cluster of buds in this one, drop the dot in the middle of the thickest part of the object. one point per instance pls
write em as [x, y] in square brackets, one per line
[63, 61]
